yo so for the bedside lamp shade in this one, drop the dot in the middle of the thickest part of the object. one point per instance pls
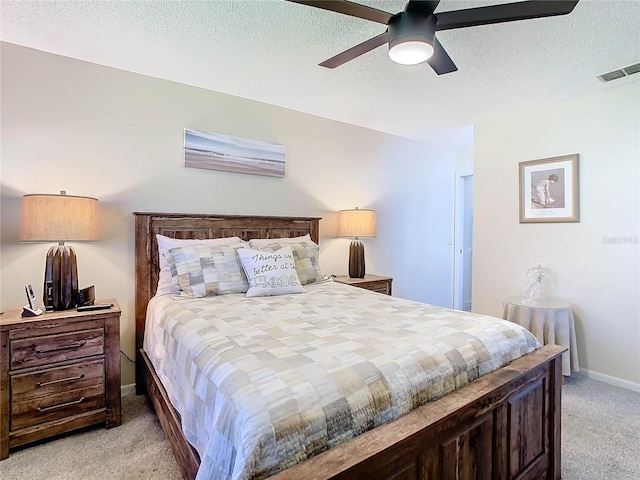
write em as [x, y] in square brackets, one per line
[59, 218]
[356, 223]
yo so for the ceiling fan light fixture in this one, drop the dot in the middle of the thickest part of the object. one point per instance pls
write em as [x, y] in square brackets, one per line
[411, 37]
[410, 52]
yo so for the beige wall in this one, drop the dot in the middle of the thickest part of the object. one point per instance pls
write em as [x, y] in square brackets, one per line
[599, 277]
[91, 130]
[118, 136]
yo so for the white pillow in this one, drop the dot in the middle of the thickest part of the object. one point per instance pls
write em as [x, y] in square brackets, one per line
[167, 284]
[263, 242]
[270, 273]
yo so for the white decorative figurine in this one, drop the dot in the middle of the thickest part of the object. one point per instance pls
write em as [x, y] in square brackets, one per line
[536, 284]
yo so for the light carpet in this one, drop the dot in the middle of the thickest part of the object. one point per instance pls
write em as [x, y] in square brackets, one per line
[600, 441]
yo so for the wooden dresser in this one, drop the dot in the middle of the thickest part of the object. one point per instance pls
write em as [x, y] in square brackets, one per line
[59, 371]
[374, 283]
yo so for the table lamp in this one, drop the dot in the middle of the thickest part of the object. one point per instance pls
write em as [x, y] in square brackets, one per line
[356, 223]
[59, 218]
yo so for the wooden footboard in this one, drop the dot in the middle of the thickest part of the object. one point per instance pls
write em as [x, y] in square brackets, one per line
[505, 425]
[186, 456]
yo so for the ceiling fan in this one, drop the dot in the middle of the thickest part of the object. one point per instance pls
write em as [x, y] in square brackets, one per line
[411, 33]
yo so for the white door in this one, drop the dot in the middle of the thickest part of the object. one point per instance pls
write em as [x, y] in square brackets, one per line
[463, 243]
[467, 242]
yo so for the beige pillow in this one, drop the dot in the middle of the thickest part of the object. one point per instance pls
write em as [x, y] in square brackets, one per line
[166, 283]
[261, 242]
[205, 270]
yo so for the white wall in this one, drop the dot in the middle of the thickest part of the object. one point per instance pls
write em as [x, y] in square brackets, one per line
[118, 136]
[598, 277]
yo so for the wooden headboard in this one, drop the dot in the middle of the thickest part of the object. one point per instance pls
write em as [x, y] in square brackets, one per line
[199, 226]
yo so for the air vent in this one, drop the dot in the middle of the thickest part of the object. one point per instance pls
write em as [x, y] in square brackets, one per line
[621, 72]
[631, 69]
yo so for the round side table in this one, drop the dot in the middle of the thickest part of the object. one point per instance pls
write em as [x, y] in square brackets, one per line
[551, 321]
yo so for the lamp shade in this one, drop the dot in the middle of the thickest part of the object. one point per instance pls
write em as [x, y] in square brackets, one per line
[357, 223]
[59, 218]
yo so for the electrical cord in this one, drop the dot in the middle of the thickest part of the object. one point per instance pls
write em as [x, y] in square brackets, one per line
[133, 387]
[127, 357]
[133, 362]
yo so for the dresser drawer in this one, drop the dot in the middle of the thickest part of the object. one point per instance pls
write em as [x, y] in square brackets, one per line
[374, 283]
[47, 349]
[380, 287]
[56, 393]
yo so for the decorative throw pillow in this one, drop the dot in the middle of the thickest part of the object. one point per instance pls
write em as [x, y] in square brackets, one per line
[270, 273]
[307, 258]
[166, 283]
[203, 270]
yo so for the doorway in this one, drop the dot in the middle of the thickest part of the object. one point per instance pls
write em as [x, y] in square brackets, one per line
[463, 242]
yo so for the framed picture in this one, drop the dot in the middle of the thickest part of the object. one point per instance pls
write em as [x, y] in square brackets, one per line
[549, 190]
[214, 151]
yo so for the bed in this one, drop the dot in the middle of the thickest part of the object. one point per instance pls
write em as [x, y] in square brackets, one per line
[503, 425]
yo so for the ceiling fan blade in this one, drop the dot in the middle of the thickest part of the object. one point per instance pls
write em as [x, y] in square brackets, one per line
[349, 8]
[508, 12]
[356, 51]
[423, 6]
[440, 61]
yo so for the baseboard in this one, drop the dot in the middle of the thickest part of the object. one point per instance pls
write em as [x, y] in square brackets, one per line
[126, 389]
[615, 381]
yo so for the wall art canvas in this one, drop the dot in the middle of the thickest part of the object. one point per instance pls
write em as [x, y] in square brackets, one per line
[213, 151]
[549, 190]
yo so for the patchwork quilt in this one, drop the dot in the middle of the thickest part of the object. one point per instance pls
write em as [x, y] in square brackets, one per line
[266, 382]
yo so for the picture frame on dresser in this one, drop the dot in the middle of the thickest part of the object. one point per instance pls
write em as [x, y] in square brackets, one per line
[550, 190]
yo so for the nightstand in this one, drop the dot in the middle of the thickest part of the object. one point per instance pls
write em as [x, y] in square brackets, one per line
[375, 283]
[59, 372]
[551, 321]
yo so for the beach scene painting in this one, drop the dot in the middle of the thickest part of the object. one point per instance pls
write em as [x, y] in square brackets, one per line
[212, 151]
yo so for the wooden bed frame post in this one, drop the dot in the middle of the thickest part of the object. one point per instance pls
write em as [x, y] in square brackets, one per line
[143, 291]
[555, 409]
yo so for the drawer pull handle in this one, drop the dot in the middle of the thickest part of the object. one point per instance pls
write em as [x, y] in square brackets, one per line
[69, 379]
[64, 347]
[61, 405]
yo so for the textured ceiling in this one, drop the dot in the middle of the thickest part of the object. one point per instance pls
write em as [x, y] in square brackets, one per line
[268, 50]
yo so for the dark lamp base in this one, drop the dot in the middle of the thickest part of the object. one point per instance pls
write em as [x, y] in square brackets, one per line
[356, 259]
[62, 271]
